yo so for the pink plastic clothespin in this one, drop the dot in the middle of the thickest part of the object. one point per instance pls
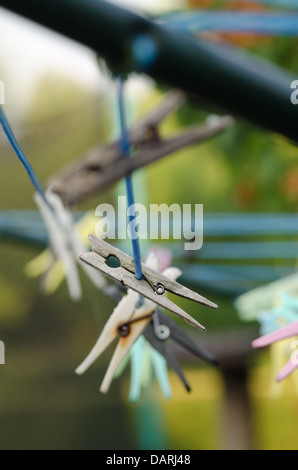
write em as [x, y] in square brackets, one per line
[283, 333]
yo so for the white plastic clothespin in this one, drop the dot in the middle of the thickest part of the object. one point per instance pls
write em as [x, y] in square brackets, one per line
[65, 242]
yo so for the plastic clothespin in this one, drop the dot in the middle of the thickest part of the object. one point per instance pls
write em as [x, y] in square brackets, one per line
[60, 246]
[153, 284]
[252, 303]
[127, 322]
[74, 242]
[65, 243]
[278, 335]
[144, 358]
[160, 329]
[285, 332]
[103, 166]
[276, 318]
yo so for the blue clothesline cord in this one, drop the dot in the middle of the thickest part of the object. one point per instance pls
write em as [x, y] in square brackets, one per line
[277, 3]
[225, 21]
[125, 151]
[271, 3]
[21, 155]
[224, 278]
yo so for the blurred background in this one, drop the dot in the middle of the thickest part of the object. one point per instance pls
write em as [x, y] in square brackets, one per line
[60, 103]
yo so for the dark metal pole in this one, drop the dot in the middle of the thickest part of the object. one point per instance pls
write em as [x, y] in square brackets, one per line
[218, 74]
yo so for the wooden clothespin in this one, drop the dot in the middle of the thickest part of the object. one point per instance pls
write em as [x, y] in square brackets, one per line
[129, 320]
[102, 166]
[152, 286]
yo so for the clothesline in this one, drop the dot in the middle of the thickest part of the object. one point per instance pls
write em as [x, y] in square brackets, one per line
[230, 267]
[228, 21]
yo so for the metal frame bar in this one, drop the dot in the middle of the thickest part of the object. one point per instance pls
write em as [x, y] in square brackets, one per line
[218, 74]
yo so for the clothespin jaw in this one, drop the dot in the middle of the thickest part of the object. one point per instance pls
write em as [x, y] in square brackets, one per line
[164, 350]
[179, 336]
[112, 329]
[283, 333]
[166, 329]
[152, 286]
[102, 166]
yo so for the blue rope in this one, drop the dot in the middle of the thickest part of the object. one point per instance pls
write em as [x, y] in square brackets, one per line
[125, 151]
[270, 23]
[278, 3]
[21, 156]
